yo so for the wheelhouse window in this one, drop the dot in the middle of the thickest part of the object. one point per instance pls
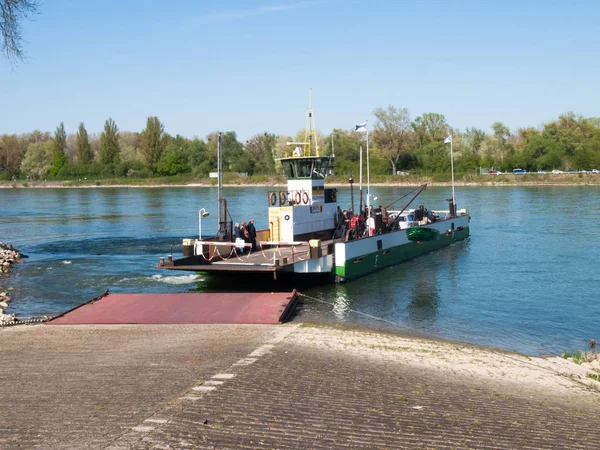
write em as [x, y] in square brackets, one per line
[303, 168]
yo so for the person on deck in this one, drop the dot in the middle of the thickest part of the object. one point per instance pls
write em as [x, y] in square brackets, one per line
[354, 227]
[252, 233]
[244, 234]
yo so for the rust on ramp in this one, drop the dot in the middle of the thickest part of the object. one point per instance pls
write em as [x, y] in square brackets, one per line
[247, 308]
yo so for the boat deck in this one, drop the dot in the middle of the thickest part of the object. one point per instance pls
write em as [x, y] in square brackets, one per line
[279, 259]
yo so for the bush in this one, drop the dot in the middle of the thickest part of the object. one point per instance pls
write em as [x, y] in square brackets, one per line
[172, 164]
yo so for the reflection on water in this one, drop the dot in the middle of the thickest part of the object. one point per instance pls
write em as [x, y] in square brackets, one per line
[424, 298]
[510, 285]
[341, 303]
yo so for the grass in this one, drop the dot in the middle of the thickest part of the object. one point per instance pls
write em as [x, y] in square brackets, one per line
[580, 357]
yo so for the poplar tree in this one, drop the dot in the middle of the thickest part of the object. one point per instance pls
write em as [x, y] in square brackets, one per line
[60, 139]
[59, 159]
[84, 149]
[109, 143]
[153, 142]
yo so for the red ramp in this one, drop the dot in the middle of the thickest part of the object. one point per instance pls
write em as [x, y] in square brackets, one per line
[248, 308]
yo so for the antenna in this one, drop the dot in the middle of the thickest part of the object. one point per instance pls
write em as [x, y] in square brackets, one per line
[332, 146]
[310, 133]
[311, 129]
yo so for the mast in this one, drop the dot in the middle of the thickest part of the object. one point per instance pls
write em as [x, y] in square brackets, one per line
[311, 130]
[219, 173]
[453, 205]
[220, 201]
[360, 185]
[332, 147]
[368, 175]
[310, 134]
[452, 169]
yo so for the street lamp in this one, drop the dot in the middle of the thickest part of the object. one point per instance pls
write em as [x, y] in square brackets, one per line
[202, 213]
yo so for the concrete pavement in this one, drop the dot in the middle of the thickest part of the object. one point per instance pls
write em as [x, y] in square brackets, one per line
[290, 386]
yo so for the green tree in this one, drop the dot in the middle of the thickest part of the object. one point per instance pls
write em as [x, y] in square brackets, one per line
[259, 150]
[60, 138]
[38, 159]
[152, 144]
[173, 163]
[84, 149]
[59, 159]
[501, 132]
[393, 135]
[572, 130]
[198, 157]
[475, 138]
[10, 155]
[233, 151]
[109, 143]
[430, 128]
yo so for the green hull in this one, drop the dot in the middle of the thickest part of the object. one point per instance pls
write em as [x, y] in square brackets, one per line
[421, 234]
[372, 262]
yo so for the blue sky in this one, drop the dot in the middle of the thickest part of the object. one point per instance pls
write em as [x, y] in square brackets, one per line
[202, 66]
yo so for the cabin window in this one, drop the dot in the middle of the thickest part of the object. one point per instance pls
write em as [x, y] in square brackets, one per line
[452, 226]
[288, 169]
[304, 168]
[316, 172]
[379, 244]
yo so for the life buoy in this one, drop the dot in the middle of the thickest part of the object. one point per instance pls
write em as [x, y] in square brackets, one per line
[297, 198]
[273, 198]
[334, 195]
[305, 197]
[282, 198]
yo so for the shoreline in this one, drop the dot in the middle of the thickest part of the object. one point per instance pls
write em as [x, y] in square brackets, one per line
[8, 256]
[408, 184]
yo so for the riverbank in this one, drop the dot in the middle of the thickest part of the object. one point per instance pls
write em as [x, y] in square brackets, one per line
[288, 386]
[8, 256]
[589, 179]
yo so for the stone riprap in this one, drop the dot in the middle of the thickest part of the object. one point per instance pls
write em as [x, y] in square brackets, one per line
[8, 256]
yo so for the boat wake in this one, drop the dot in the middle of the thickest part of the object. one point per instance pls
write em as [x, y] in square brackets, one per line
[177, 279]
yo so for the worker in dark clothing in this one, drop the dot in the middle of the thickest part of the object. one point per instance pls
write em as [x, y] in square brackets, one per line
[252, 233]
[244, 235]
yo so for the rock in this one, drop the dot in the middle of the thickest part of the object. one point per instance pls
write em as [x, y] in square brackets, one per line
[7, 318]
[3, 305]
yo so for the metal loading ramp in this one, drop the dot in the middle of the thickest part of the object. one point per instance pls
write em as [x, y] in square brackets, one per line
[191, 308]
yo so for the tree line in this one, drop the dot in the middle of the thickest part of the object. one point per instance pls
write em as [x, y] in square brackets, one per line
[397, 143]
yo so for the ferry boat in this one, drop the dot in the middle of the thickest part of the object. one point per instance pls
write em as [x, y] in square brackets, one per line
[310, 236]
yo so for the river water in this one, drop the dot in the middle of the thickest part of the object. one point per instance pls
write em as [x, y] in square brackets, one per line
[527, 279]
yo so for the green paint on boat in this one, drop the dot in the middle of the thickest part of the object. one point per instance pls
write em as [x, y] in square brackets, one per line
[421, 234]
[365, 264]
